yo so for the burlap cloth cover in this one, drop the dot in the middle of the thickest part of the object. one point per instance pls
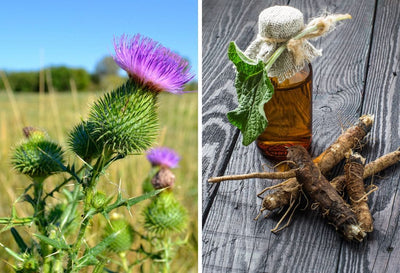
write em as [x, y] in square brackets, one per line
[276, 25]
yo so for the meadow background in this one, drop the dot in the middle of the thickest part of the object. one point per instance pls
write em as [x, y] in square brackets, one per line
[57, 112]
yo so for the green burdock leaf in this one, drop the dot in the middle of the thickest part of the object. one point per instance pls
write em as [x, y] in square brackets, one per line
[254, 89]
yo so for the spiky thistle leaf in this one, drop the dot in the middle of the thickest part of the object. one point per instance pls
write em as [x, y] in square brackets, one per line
[38, 157]
[125, 121]
[165, 215]
[82, 143]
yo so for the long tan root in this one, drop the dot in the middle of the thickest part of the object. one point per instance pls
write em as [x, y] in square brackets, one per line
[354, 171]
[327, 160]
[265, 175]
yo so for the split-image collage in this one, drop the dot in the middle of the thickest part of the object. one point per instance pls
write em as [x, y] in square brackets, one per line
[200, 136]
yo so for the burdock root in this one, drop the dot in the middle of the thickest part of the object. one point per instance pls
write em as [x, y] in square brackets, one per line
[320, 191]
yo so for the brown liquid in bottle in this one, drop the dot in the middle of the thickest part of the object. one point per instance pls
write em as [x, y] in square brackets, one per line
[289, 115]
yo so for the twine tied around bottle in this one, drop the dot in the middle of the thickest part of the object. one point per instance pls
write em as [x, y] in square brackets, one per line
[280, 25]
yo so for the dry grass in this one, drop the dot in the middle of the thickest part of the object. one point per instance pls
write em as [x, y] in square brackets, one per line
[58, 112]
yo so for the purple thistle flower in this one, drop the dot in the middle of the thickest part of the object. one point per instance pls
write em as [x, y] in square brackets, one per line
[152, 64]
[164, 157]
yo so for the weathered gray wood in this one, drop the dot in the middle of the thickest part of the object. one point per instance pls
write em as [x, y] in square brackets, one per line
[381, 252]
[218, 80]
[232, 242]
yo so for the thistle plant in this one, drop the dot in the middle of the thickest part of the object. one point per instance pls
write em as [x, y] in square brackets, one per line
[122, 122]
[164, 218]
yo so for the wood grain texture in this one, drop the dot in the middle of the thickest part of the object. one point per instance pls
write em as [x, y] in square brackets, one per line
[219, 95]
[381, 253]
[355, 75]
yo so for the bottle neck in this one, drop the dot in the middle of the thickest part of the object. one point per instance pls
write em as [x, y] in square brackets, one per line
[297, 79]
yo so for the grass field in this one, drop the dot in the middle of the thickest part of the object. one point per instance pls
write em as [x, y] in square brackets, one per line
[57, 113]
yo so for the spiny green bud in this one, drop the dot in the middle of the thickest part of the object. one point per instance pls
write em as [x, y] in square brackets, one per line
[37, 157]
[124, 239]
[29, 265]
[125, 121]
[82, 143]
[99, 200]
[165, 215]
[34, 133]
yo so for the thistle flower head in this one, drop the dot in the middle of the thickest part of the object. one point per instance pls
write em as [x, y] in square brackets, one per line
[163, 156]
[151, 64]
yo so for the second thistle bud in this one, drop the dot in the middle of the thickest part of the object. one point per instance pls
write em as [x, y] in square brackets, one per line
[165, 159]
[37, 156]
[164, 178]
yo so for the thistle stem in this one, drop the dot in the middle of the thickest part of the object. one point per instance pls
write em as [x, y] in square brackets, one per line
[166, 247]
[89, 189]
[16, 222]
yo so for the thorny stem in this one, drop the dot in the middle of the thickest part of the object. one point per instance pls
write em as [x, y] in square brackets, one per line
[166, 259]
[40, 220]
[89, 189]
[17, 221]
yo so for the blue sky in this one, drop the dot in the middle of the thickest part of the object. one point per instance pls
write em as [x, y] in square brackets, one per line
[79, 33]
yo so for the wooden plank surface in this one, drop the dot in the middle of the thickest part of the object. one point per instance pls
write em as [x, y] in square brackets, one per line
[357, 74]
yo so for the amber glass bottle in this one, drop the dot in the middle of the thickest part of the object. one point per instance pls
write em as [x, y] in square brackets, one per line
[289, 114]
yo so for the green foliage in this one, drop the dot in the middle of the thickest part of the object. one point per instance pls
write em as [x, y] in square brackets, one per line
[125, 237]
[37, 157]
[254, 89]
[56, 212]
[165, 215]
[61, 76]
[82, 143]
[28, 81]
[23, 81]
[125, 121]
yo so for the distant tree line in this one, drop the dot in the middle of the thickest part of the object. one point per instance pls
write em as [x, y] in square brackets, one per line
[106, 76]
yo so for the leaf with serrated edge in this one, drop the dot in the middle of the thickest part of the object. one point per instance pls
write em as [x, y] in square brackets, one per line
[254, 89]
[58, 244]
